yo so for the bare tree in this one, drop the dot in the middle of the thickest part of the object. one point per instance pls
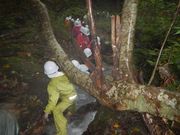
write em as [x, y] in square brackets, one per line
[124, 93]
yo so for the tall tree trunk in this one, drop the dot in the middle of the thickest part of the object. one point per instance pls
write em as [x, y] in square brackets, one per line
[126, 45]
[122, 95]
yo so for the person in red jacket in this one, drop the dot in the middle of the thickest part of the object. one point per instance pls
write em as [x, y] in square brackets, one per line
[76, 28]
[82, 39]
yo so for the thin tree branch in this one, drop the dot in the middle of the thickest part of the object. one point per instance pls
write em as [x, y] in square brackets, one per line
[160, 52]
[115, 28]
[98, 74]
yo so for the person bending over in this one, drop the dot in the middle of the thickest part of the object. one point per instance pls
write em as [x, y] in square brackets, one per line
[61, 94]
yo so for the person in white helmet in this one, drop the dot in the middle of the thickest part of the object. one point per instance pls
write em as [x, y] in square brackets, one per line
[85, 30]
[89, 55]
[83, 40]
[62, 95]
[87, 52]
[76, 28]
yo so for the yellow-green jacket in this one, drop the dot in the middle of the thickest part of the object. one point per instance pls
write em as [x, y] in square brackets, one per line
[59, 88]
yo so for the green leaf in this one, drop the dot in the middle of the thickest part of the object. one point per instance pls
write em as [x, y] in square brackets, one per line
[152, 63]
[152, 52]
[178, 32]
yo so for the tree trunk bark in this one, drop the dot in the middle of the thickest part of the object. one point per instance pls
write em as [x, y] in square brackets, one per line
[128, 21]
[115, 28]
[98, 74]
[122, 95]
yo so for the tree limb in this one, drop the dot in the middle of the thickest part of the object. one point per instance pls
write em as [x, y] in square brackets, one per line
[98, 74]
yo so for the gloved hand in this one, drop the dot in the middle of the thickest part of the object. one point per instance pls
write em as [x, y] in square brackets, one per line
[46, 115]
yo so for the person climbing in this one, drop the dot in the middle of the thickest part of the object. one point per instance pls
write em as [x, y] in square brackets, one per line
[83, 40]
[89, 55]
[62, 95]
[76, 28]
[87, 52]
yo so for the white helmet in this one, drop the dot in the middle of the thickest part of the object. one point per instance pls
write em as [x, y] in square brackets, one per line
[84, 68]
[72, 20]
[87, 52]
[76, 63]
[50, 68]
[77, 22]
[87, 26]
[67, 18]
[70, 17]
[85, 30]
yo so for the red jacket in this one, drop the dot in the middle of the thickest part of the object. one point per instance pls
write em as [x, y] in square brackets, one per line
[76, 31]
[83, 41]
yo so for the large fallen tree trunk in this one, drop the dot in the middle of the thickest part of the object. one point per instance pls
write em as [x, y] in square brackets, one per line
[124, 94]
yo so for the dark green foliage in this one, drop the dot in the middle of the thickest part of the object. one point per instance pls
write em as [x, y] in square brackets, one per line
[114, 7]
[153, 21]
[60, 6]
[76, 12]
[14, 13]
